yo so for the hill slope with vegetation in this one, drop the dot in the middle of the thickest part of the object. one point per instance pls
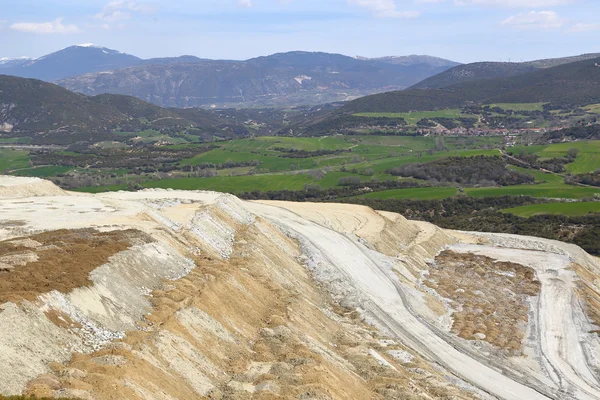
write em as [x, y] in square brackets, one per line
[294, 78]
[29, 106]
[570, 84]
[488, 70]
[73, 60]
[49, 114]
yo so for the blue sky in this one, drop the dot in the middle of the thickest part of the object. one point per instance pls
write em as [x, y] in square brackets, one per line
[462, 30]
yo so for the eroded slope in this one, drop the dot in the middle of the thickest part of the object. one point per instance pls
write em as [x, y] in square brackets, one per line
[180, 295]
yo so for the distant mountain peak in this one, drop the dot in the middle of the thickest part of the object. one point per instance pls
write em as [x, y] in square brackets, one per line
[275, 80]
[14, 58]
[93, 46]
[70, 61]
[494, 69]
[6, 60]
[412, 59]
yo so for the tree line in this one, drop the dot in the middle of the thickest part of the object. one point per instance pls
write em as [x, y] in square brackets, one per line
[477, 170]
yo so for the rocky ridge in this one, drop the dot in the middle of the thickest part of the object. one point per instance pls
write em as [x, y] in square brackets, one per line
[214, 297]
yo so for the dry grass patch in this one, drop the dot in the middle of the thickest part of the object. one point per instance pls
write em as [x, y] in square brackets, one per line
[490, 296]
[12, 223]
[58, 260]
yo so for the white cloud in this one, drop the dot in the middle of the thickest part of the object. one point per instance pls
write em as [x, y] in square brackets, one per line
[504, 3]
[584, 27]
[119, 10]
[55, 26]
[245, 3]
[384, 8]
[535, 20]
[516, 3]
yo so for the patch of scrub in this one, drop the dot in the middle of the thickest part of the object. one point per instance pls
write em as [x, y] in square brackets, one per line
[118, 298]
[490, 298]
[62, 261]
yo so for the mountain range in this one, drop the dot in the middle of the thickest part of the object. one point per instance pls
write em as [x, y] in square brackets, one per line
[71, 61]
[487, 70]
[283, 79]
[50, 114]
[295, 78]
[564, 85]
[79, 60]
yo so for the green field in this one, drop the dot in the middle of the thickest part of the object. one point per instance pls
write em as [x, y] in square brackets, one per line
[276, 172]
[593, 108]
[267, 143]
[529, 149]
[101, 188]
[588, 159]
[11, 160]
[43, 172]
[150, 135]
[366, 152]
[585, 162]
[433, 193]
[412, 118]
[23, 140]
[268, 163]
[568, 209]
[541, 177]
[367, 157]
[519, 106]
[552, 191]
[332, 179]
[262, 149]
[235, 184]
[403, 144]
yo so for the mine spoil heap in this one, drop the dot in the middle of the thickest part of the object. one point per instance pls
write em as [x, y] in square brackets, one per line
[163, 294]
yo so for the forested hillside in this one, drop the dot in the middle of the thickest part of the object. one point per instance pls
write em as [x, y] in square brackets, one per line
[570, 84]
[489, 70]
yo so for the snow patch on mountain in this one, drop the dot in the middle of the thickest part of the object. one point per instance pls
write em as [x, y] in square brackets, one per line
[6, 60]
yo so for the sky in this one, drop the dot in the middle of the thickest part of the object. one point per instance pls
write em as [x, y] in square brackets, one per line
[460, 30]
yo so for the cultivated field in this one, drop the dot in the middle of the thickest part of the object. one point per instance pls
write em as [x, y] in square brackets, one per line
[434, 193]
[569, 209]
[588, 159]
[412, 118]
[265, 164]
[551, 191]
[519, 106]
[13, 159]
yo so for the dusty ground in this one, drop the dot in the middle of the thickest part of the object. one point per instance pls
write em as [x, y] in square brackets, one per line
[243, 331]
[491, 298]
[57, 260]
[183, 295]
